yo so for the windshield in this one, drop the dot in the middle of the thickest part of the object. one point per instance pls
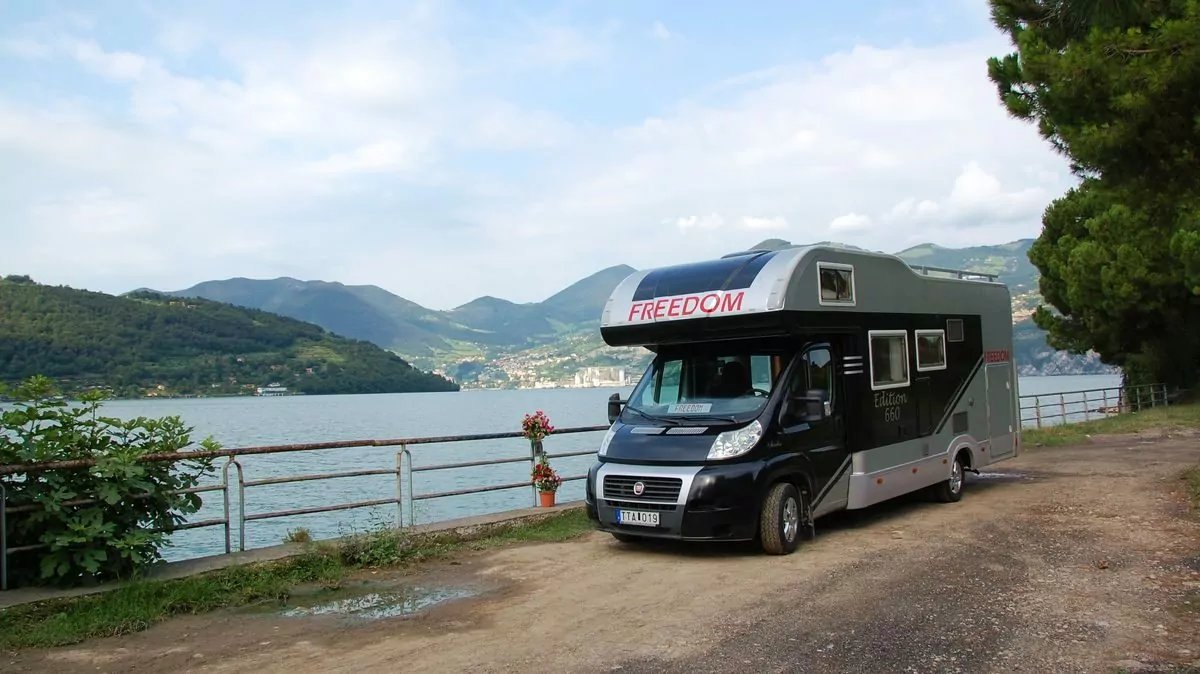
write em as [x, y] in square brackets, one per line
[730, 382]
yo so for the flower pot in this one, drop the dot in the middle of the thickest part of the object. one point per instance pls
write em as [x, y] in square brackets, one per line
[547, 498]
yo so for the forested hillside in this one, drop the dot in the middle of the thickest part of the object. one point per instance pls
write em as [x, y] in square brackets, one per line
[147, 343]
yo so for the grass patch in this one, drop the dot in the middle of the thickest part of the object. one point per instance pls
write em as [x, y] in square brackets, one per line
[139, 605]
[1175, 417]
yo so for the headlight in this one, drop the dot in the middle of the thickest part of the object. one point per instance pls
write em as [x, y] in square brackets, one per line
[736, 443]
[607, 439]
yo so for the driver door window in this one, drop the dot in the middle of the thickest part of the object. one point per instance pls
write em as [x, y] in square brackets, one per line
[814, 372]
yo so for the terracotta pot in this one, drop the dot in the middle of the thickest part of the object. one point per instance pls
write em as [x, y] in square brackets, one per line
[547, 498]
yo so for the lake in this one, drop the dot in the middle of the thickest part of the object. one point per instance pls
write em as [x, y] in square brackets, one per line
[242, 422]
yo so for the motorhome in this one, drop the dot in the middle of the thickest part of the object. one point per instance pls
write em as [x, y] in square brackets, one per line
[790, 384]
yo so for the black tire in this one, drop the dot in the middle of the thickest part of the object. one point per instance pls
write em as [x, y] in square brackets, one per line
[951, 490]
[783, 518]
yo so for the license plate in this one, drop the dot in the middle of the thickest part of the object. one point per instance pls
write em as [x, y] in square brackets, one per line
[638, 518]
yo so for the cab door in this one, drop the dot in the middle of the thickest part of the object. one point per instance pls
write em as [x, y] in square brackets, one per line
[823, 441]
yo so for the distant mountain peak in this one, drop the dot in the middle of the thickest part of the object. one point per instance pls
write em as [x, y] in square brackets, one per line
[780, 244]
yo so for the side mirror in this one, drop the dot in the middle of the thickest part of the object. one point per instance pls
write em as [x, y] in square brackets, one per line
[810, 407]
[614, 407]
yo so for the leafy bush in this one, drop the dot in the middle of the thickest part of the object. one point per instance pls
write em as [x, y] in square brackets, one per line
[101, 522]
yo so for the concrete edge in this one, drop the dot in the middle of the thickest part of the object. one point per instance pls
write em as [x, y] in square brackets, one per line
[466, 528]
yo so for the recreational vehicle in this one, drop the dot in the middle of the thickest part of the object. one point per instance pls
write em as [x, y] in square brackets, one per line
[790, 384]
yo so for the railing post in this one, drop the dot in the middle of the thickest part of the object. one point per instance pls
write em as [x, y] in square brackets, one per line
[1138, 392]
[400, 486]
[3, 538]
[1037, 410]
[1165, 394]
[228, 510]
[1086, 413]
[536, 450]
[241, 505]
[1062, 407]
[1104, 393]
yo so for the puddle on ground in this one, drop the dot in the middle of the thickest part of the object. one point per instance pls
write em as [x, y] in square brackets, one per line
[398, 603]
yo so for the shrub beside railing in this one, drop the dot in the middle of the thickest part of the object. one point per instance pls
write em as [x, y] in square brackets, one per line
[68, 527]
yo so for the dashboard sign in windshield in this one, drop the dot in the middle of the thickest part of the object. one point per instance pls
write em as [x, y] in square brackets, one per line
[689, 408]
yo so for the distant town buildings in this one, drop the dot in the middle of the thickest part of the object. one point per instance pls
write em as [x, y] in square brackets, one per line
[600, 377]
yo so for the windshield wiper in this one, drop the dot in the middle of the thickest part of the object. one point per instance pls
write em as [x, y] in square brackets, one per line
[712, 417]
[651, 417]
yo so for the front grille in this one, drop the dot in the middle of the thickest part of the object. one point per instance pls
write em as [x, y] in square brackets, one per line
[655, 488]
[636, 505]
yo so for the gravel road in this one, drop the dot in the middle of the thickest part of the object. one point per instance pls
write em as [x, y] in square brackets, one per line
[1063, 560]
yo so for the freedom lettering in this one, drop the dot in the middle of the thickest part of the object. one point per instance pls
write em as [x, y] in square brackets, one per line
[996, 356]
[687, 305]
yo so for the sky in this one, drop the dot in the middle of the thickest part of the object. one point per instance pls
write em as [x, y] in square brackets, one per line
[448, 150]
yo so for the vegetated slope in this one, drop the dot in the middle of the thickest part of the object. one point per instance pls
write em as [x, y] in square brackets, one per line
[374, 314]
[145, 340]
[360, 312]
[1010, 261]
[583, 301]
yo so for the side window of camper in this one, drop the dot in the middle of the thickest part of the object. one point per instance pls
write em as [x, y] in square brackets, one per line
[931, 350]
[889, 358]
[836, 283]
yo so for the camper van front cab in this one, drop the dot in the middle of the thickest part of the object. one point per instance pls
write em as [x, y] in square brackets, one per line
[790, 384]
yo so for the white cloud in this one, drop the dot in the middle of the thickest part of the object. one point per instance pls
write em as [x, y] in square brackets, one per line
[710, 221]
[376, 152]
[850, 222]
[661, 32]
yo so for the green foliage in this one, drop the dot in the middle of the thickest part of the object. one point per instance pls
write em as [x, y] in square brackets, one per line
[95, 523]
[1115, 87]
[140, 342]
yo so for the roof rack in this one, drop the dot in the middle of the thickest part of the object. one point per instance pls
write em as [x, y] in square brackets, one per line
[961, 274]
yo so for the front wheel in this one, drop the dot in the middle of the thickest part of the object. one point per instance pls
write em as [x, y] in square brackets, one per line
[783, 514]
[950, 491]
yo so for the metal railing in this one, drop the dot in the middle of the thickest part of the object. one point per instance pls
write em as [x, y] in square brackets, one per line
[1065, 407]
[1052, 409]
[403, 471]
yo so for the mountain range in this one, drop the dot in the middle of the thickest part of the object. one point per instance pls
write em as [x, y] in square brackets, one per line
[490, 341]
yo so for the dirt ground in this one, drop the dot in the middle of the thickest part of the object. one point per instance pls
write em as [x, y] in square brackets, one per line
[1063, 560]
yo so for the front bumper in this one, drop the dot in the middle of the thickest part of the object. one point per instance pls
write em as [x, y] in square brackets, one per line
[712, 503]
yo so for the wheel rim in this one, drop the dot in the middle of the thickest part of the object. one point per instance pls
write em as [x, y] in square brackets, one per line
[956, 477]
[791, 519]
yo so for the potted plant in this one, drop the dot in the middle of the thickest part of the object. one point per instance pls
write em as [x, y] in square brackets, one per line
[535, 428]
[546, 480]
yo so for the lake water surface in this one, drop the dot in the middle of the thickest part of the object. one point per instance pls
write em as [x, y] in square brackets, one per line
[242, 422]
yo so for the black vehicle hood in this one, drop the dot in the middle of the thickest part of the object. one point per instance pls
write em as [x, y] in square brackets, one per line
[649, 443]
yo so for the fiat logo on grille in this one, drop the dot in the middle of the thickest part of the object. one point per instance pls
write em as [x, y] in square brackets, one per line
[638, 488]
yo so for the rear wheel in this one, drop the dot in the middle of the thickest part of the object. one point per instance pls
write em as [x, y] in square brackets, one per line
[784, 515]
[950, 491]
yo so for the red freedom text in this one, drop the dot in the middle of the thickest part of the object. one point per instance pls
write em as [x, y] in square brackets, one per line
[687, 305]
[996, 356]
